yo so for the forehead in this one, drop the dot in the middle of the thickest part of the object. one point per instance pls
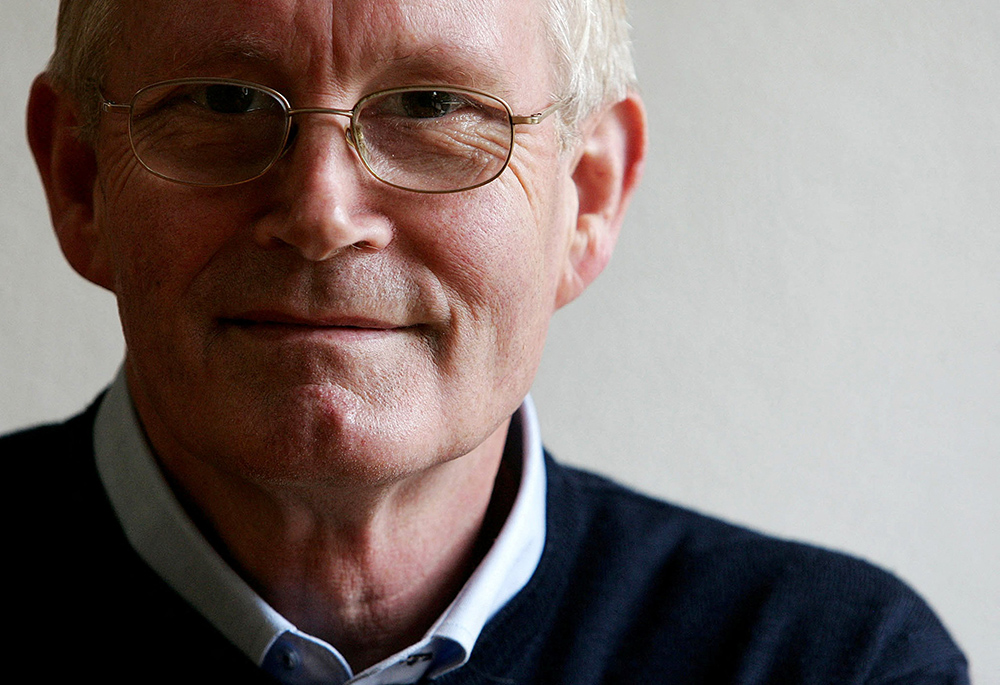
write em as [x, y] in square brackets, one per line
[471, 40]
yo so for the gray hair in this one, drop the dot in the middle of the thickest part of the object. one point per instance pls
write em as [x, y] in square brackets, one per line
[590, 43]
[593, 57]
[85, 32]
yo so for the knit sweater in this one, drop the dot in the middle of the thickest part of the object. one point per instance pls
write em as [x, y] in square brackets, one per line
[629, 590]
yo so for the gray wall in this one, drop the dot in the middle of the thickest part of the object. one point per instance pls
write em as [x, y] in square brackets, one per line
[800, 330]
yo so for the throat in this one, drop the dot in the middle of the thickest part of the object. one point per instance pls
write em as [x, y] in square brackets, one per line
[374, 590]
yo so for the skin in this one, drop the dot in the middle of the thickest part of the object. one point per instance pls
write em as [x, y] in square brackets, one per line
[326, 366]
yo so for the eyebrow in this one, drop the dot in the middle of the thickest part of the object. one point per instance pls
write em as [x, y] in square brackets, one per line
[452, 63]
[250, 46]
[444, 62]
[242, 48]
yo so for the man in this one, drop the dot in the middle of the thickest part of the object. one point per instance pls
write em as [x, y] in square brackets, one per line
[336, 232]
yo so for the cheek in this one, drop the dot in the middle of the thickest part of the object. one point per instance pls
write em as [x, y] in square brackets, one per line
[147, 257]
[493, 255]
[493, 251]
[161, 238]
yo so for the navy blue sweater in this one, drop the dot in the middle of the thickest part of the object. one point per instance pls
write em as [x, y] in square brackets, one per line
[629, 590]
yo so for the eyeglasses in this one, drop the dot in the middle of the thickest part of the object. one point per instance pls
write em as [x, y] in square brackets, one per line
[221, 132]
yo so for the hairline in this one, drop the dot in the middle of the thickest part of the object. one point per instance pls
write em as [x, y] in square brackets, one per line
[591, 66]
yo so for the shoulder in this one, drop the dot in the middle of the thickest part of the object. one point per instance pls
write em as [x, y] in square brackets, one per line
[692, 549]
[703, 600]
[73, 434]
[73, 560]
[637, 526]
[53, 464]
[53, 467]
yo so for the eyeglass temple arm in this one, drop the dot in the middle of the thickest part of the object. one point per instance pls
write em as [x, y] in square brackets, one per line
[108, 106]
[537, 117]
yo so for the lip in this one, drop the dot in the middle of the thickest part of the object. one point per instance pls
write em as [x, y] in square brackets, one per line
[279, 323]
[278, 318]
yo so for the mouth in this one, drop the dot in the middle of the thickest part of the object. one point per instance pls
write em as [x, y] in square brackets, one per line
[284, 324]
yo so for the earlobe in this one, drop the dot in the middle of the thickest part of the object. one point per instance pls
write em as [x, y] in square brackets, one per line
[68, 168]
[611, 152]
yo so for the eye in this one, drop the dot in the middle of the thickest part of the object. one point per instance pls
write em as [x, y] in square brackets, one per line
[427, 104]
[227, 98]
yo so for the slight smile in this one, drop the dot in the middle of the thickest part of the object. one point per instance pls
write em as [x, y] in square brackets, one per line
[283, 325]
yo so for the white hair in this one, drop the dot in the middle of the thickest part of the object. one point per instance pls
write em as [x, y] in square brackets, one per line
[592, 55]
[589, 40]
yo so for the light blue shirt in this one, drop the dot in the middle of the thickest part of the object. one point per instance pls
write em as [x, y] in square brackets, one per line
[165, 537]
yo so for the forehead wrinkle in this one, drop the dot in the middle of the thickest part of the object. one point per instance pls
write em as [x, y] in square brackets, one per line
[170, 42]
[470, 40]
[373, 44]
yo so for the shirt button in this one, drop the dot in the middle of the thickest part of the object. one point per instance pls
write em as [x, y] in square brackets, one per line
[415, 659]
[289, 658]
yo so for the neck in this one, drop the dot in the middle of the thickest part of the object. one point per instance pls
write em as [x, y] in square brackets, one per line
[366, 570]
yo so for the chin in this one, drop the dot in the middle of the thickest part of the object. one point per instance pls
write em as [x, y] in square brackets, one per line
[329, 436]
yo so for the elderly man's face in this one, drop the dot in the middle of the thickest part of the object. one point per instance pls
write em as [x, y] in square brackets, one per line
[315, 322]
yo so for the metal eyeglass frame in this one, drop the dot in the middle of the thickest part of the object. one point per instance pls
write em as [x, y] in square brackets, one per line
[515, 120]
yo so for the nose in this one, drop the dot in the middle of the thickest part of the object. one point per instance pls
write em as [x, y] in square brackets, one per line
[323, 197]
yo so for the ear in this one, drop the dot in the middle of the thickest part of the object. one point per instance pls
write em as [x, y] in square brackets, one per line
[68, 168]
[611, 154]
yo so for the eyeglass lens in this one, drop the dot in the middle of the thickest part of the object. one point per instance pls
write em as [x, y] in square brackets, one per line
[212, 133]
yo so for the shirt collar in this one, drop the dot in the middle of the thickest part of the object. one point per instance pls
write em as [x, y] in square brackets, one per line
[165, 537]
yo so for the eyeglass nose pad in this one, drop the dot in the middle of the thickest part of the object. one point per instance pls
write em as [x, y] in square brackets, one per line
[290, 137]
[356, 139]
